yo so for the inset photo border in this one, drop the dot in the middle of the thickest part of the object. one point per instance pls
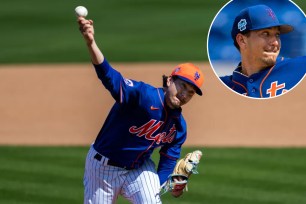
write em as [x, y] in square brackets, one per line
[265, 67]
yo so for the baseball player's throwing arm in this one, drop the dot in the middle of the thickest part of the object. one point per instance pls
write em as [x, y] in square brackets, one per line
[87, 30]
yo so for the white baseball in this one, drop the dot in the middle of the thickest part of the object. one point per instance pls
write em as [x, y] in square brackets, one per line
[81, 11]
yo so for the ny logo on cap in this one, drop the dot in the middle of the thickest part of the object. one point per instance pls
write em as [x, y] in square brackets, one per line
[271, 13]
[177, 69]
[242, 25]
[196, 76]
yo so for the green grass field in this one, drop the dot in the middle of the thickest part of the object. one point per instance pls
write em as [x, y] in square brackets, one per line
[128, 30]
[36, 31]
[227, 176]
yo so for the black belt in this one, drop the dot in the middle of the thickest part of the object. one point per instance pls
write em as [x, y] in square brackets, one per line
[112, 163]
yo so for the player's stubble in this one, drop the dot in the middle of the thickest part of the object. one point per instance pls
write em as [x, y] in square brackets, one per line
[269, 59]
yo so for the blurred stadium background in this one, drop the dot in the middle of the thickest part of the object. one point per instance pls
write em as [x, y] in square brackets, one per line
[128, 30]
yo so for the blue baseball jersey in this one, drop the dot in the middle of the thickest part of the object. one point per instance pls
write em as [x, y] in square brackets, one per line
[270, 82]
[139, 122]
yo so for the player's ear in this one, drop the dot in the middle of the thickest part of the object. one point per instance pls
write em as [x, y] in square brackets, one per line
[241, 40]
[169, 81]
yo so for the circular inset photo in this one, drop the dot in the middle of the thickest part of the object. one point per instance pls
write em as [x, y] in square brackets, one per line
[257, 48]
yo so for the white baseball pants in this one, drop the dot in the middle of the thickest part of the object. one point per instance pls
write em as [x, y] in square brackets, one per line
[103, 183]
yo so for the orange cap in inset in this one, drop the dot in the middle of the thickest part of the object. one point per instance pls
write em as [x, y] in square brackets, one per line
[190, 73]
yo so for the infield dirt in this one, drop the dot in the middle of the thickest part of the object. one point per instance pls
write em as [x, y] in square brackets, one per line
[62, 104]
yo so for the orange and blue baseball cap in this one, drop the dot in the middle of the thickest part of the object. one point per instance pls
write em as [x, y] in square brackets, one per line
[256, 18]
[191, 74]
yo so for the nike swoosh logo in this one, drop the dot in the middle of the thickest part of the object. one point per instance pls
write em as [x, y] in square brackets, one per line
[153, 108]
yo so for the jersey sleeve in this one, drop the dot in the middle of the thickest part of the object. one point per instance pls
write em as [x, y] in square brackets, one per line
[122, 90]
[165, 168]
[171, 152]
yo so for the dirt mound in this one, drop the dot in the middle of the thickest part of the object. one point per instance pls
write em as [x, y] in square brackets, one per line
[67, 104]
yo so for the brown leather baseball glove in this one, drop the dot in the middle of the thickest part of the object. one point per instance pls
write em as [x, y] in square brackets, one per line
[177, 181]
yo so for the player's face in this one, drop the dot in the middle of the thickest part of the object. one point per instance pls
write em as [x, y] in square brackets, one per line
[179, 92]
[263, 46]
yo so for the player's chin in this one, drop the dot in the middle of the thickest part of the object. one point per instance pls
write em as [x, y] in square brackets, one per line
[269, 60]
[176, 103]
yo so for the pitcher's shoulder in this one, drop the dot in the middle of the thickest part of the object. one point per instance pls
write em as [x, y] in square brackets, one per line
[296, 64]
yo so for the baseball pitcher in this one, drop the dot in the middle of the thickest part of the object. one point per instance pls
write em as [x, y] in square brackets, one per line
[142, 118]
[262, 73]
